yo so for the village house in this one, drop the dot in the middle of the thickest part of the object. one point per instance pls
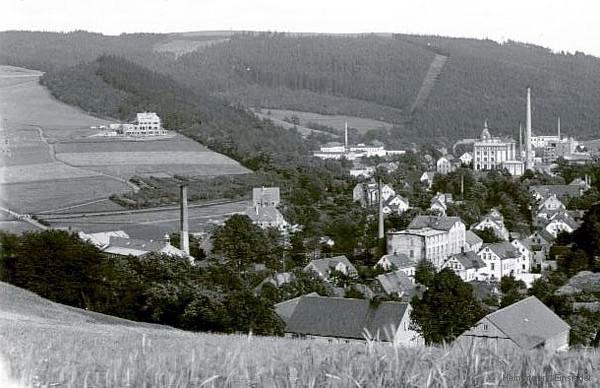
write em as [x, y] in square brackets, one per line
[501, 259]
[395, 283]
[267, 217]
[351, 320]
[324, 267]
[550, 203]
[427, 179]
[397, 262]
[432, 238]
[367, 194]
[466, 265]
[440, 202]
[560, 222]
[395, 204]
[275, 280]
[265, 197]
[466, 159]
[525, 253]
[446, 164]
[473, 242]
[494, 221]
[539, 244]
[525, 325]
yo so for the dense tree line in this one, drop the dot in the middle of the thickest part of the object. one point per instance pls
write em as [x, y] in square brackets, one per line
[218, 296]
[368, 76]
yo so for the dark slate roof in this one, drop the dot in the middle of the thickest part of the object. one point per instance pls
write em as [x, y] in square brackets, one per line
[528, 322]
[399, 260]
[503, 249]
[264, 214]
[345, 318]
[469, 260]
[141, 245]
[472, 238]
[560, 190]
[324, 265]
[434, 222]
[286, 308]
[567, 219]
[395, 282]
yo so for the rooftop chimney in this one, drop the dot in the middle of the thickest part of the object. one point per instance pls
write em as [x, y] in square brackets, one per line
[185, 239]
[528, 151]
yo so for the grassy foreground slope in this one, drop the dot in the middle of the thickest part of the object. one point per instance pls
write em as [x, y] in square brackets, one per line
[47, 344]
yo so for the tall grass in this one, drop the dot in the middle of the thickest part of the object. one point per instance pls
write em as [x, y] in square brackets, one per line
[107, 356]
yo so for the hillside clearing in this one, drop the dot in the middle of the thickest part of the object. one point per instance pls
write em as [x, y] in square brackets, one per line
[336, 122]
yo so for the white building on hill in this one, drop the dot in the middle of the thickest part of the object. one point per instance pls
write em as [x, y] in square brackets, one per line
[145, 124]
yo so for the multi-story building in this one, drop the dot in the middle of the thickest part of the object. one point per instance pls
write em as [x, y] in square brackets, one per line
[490, 153]
[431, 238]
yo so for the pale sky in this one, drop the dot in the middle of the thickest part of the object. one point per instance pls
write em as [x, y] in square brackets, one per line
[572, 25]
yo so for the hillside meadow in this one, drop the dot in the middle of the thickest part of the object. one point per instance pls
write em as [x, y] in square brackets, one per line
[89, 355]
[46, 344]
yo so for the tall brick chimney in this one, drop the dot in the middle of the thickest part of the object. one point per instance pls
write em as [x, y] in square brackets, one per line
[184, 238]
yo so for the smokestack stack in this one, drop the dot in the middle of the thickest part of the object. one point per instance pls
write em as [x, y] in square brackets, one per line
[346, 136]
[558, 125]
[529, 158]
[381, 231]
[520, 141]
[184, 238]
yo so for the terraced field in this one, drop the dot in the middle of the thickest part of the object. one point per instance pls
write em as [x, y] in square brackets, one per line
[48, 161]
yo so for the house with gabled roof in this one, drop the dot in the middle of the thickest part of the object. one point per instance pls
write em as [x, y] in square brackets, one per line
[396, 283]
[395, 262]
[276, 280]
[466, 159]
[441, 201]
[560, 222]
[494, 221]
[501, 259]
[465, 264]
[539, 244]
[324, 267]
[395, 204]
[350, 320]
[525, 325]
[447, 164]
[427, 178]
[267, 217]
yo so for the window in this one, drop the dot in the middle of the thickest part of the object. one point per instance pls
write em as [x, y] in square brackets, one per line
[492, 266]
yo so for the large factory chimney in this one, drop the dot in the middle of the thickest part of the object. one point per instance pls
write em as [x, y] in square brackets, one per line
[520, 141]
[184, 238]
[346, 137]
[558, 125]
[528, 151]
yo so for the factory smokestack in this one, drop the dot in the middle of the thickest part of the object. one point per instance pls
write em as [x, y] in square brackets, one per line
[558, 125]
[528, 151]
[520, 141]
[346, 136]
[184, 238]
